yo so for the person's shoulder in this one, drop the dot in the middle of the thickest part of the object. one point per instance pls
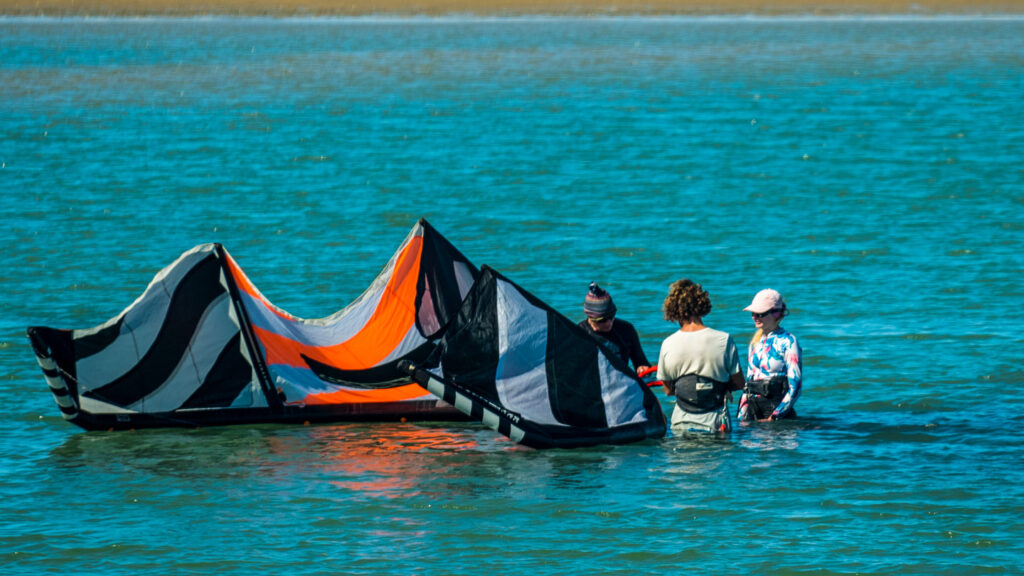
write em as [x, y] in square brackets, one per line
[785, 337]
[713, 334]
[624, 325]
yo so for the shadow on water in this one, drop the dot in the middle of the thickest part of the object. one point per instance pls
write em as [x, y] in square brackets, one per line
[378, 459]
[257, 444]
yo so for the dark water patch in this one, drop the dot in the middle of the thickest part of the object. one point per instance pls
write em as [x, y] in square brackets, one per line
[916, 406]
[874, 434]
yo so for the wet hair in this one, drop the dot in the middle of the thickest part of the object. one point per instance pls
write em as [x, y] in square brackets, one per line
[686, 299]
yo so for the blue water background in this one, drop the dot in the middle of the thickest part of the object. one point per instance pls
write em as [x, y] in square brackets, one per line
[871, 169]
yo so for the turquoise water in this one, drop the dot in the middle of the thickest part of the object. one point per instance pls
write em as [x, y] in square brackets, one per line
[870, 169]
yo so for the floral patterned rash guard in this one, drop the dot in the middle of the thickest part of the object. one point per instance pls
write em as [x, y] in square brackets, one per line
[775, 354]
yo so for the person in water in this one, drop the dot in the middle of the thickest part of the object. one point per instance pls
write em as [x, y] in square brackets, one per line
[774, 367]
[618, 336]
[698, 364]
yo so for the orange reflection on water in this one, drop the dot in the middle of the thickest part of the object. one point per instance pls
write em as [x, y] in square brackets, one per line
[390, 460]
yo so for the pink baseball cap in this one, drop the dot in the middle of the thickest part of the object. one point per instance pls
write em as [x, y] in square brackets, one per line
[766, 300]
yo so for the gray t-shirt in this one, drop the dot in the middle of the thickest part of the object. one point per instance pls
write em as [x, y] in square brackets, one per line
[710, 353]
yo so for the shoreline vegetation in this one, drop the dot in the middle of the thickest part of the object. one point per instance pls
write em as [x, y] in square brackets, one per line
[286, 8]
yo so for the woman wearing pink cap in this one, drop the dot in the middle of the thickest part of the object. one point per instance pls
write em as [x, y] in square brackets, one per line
[774, 369]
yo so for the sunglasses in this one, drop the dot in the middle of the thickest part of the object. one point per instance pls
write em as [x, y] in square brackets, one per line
[760, 315]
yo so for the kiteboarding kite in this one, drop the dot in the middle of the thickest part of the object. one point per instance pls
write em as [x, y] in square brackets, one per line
[202, 346]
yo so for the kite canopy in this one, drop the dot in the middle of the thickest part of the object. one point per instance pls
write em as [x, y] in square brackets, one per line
[203, 346]
[520, 367]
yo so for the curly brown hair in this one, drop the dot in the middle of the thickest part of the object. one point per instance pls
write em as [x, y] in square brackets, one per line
[686, 299]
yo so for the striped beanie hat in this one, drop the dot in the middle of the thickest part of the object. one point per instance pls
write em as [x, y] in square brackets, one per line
[598, 303]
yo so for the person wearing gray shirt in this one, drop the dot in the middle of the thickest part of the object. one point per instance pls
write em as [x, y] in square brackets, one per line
[697, 364]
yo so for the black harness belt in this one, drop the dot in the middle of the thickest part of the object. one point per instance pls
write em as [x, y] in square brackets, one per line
[698, 394]
[774, 388]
